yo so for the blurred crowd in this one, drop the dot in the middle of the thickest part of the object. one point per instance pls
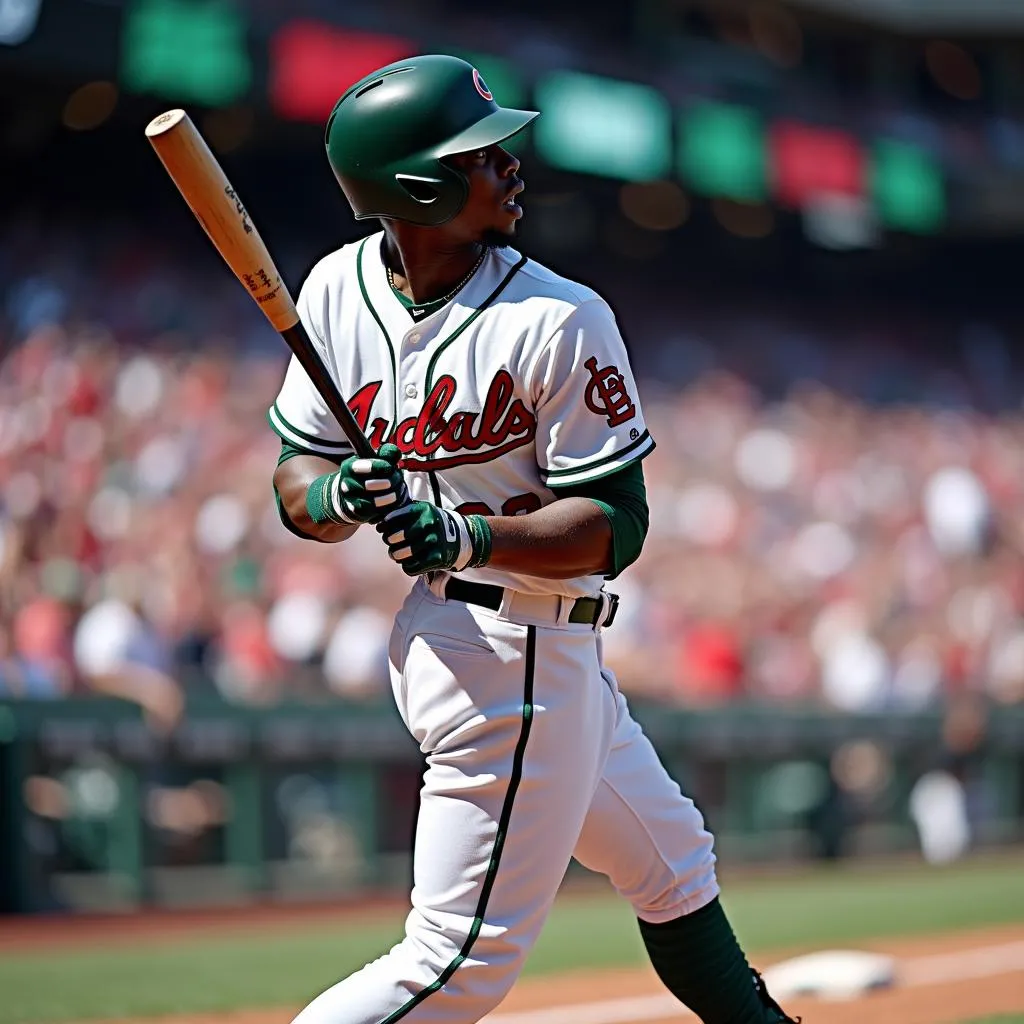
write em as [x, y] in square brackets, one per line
[809, 542]
[820, 548]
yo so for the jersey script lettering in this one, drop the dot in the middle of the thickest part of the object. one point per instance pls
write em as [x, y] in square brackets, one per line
[502, 425]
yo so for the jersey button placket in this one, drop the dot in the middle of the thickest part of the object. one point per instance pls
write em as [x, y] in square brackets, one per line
[412, 366]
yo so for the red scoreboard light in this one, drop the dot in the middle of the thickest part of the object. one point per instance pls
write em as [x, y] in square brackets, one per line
[312, 64]
[806, 162]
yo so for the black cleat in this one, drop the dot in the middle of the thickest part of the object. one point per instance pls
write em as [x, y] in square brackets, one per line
[780, 1015]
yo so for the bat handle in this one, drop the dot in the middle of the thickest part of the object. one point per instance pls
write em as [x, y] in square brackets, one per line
[360, 443]
[299, 343]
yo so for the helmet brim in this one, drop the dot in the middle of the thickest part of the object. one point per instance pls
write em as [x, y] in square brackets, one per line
[494, 128]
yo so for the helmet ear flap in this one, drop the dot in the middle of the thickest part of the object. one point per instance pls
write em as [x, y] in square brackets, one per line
[437, 196]
[425, 191]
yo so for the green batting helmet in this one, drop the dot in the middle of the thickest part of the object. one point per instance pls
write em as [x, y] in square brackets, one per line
[388, 135]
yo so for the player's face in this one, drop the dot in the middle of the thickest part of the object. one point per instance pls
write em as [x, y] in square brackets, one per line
[492, 209]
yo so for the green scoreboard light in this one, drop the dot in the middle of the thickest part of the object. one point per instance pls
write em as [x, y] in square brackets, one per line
[907, 188]
[603, 126]
[722, 152]
[186, 49]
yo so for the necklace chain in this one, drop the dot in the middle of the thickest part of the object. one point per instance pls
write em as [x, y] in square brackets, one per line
[454, 291]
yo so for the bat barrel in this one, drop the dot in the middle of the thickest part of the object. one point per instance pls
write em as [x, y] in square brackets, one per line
[217, 207]
[165, 122]
[200, 179]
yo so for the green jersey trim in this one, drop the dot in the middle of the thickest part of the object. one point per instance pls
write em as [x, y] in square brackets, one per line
[494, 862]
[469, 320]
[300, 439]
[290, 450]
[419, 310]
[605, 466]
[380, 324]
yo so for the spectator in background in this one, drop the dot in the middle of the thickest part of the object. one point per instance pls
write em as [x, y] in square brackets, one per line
[356, 655]
[38, 662]
[949, 802]
[119, 654]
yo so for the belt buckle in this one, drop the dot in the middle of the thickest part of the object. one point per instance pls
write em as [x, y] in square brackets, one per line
[609, 608]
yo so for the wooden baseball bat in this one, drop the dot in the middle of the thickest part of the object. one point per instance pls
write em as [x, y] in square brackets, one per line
[200, 179]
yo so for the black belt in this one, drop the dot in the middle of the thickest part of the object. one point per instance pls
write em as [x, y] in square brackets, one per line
[590, 610]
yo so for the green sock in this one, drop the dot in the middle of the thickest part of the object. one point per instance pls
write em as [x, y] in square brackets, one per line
[700, 962]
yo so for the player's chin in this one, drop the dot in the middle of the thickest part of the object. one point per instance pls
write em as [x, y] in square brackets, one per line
[499, 237]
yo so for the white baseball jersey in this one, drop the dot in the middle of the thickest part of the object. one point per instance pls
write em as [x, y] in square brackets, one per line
[520, 383]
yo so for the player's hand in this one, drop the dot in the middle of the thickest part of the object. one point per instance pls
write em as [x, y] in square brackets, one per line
[422, 537]
[366, 490]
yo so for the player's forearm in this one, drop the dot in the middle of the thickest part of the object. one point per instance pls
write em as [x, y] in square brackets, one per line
[568, 538]
[292, 480]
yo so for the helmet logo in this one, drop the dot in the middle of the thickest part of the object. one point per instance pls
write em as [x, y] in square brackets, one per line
[481, 86]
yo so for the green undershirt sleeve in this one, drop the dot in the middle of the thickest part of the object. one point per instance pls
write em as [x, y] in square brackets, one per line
[289, 451]
[622, 497]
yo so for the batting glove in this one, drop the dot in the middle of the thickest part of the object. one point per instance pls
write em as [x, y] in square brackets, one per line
[362, 490]
[422, 537]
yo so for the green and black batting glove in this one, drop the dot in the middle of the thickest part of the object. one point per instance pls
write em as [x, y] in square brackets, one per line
[422, 537]
[361, 491]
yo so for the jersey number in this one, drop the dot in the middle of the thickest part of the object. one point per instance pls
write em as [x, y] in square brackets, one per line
[517, 506]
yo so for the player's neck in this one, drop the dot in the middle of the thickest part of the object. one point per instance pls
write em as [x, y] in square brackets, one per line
[424, 271]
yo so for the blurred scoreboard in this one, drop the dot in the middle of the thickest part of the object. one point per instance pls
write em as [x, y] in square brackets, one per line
[210, 54]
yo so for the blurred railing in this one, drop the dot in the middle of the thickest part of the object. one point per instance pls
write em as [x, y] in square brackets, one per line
[293, 802]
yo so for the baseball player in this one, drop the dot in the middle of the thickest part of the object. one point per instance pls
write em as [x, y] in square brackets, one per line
[508, 485]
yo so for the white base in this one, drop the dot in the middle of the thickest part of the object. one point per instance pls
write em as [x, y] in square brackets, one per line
[830, 974]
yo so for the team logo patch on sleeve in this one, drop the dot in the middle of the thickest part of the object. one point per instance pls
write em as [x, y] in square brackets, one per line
[606, 394]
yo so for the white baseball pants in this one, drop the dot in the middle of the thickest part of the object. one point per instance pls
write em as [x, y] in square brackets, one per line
[533, 758]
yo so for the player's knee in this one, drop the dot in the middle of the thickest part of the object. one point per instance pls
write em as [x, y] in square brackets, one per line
[486, 975]
[480, 981]
[677, 887]
[474, 992]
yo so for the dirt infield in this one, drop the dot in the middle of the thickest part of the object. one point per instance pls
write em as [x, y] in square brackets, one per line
[942, 979]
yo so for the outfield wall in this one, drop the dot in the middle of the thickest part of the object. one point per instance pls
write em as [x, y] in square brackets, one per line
[299, 802]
